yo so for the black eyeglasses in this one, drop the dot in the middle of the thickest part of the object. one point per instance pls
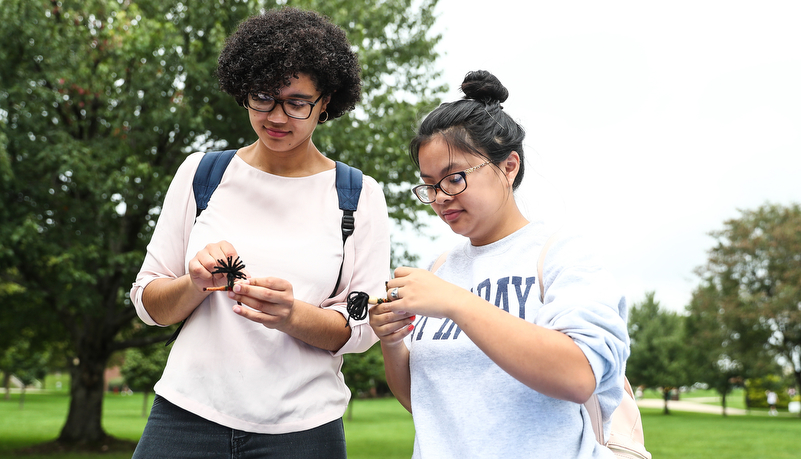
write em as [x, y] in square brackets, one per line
[294, 108]
[451, 184]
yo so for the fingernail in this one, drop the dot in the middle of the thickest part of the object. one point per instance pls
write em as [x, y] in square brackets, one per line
[410, 327]
[412, 318]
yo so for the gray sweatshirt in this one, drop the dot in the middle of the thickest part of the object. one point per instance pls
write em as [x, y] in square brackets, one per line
[465, 406]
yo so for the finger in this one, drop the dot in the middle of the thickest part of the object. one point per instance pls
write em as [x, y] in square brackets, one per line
[403, 271]
[381, 317]
[393, 294]
[221, 251]
[381, 309]
[251, 314]
[227, 249]
[271, 283]
[397, 333]
[395, 310]
[246, 289]
[206, 260]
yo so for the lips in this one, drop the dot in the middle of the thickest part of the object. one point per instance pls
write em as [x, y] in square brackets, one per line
[276, 132]
[451, 215]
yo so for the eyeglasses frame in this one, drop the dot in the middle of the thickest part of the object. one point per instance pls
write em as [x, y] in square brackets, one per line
[437, 186]
[281, 102]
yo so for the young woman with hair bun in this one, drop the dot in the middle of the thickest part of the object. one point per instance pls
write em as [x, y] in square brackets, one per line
[486, 367]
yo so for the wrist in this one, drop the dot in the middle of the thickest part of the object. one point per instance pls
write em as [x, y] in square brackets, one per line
[465, 306]
[392, 346]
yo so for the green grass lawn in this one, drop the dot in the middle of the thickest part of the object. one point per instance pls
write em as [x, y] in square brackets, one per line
[379, 429]
[736, 399]
[702, 436]
[382, 429]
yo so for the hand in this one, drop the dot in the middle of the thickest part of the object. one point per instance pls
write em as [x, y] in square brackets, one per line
[390, 327]
[421, 292]
[205, 262]
[270, 300]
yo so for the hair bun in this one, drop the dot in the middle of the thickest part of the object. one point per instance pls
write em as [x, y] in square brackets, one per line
[483, 86]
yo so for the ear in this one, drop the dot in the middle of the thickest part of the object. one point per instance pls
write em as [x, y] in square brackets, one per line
[511, 166]
[324, 103]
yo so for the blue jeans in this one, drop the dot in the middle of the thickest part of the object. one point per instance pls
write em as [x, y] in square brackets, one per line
[172, 432]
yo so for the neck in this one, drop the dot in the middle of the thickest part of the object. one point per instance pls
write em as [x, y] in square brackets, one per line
[300, 162]
[508, 222]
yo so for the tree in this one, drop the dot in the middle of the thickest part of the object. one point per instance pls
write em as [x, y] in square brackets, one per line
[142, 369]
[756, 268]
[363, 373]
[101, 100]
[657, 347]
[11, 331]
[24, 360]
[712, 357]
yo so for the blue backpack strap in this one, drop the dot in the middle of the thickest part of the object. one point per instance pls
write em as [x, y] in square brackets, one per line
[349, 188]
[208, 175]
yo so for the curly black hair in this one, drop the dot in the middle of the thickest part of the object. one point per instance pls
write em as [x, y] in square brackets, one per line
[269, 49]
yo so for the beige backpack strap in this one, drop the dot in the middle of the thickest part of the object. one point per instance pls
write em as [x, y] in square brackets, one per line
[541, 263]
[439, 261]
[626, 438]
[593, 407]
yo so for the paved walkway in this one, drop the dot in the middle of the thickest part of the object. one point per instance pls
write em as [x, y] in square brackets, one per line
[684, 405]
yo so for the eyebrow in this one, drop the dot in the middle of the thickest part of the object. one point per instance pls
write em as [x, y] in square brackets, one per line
[295, 95]
[300, 95]
[445, 171]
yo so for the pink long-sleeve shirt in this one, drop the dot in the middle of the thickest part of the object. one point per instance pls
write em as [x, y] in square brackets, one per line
[236, 372]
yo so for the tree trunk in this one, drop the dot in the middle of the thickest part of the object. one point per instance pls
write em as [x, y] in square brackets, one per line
[798, 383]
[723, 403]
[83, 424]
[144, 404]
[666, 396]
[7, 384]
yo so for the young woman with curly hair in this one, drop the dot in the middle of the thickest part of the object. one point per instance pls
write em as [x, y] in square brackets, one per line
[486, 366]
[255, 371]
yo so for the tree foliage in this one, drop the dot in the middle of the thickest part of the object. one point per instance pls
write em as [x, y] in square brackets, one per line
[364, 375]
[142, 369]
[101, 100]
[755, 269]
[25, 360]
[712, 356]
[657, 355]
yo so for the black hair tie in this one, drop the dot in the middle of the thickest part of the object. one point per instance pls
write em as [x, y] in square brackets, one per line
[357, 306]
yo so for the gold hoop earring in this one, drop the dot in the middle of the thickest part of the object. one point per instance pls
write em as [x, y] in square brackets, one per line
[326, 117]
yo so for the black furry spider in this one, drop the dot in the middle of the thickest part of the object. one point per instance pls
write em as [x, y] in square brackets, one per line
[232, 270]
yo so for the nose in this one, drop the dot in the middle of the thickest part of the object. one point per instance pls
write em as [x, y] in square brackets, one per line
[276, 115]
[441, 197]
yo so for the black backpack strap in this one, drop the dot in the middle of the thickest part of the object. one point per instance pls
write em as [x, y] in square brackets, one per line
[207, 176]
[349, 188]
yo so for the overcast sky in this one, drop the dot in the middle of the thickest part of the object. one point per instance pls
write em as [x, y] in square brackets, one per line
[651, 122]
